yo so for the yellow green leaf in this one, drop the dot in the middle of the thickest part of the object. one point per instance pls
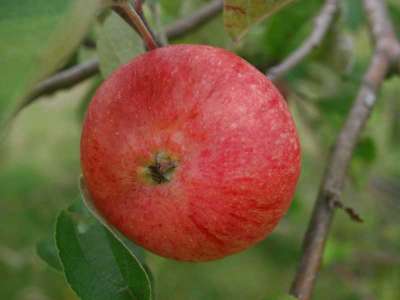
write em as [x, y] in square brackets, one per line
[240, 15]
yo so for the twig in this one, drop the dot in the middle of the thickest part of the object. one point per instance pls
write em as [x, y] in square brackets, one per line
[134, 18]
[351, 212]
[332, 184]
[203, 15]
[322, 23]
[63, 79]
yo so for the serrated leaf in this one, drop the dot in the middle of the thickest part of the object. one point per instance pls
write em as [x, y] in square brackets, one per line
[43, 36]
[117, 44]
[97, 265]
[46, 249]
[240, 15]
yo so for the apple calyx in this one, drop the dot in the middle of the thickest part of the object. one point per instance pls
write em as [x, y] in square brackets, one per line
[160, 169]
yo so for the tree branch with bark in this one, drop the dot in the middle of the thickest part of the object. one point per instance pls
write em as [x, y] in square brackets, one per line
[385, 57]
[64, 79]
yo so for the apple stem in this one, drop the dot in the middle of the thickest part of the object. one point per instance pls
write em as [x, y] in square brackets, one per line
[137, 21]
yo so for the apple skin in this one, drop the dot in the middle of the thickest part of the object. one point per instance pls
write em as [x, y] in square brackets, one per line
[231, 147]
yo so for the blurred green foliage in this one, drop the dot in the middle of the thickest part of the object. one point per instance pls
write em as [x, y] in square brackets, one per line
[39, 171]
[41, 40]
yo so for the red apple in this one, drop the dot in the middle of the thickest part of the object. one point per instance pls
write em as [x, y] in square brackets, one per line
[190, 152]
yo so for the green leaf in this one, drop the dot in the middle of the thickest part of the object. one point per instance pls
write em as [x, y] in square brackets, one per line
[394, 11]
[137, 251]
[87, 200]
[44, 34]
[117, 44]
[365, 150]
[364, 155]
[353, 14]
[270, 43]
[337, 251]
[239, 15]
[47, 251]
[97, 265]
[87, 98]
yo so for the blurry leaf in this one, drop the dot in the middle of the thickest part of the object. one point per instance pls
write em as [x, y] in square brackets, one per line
[323, 81]
[274, 246]
[43, 36]
[364, 155]
[171, 9]
[239, 15]
[333, 94]
[395, 128]
[97, 265]
[296, 206]
[117, 44]
[365, 150]
[202, 35]
[337, 251]
[287, 30]
[47, 250]
[353, 14]
[87, 98]
[336, 51]
[394, 11]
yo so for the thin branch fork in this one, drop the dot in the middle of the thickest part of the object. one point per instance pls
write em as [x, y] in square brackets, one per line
[322, 23]
[332, 184]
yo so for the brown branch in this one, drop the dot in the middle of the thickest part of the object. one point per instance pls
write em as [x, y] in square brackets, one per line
[322, 23]
[74, 75]
[202, 16]
[64, 79]
[332, 184]
[382, 31]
